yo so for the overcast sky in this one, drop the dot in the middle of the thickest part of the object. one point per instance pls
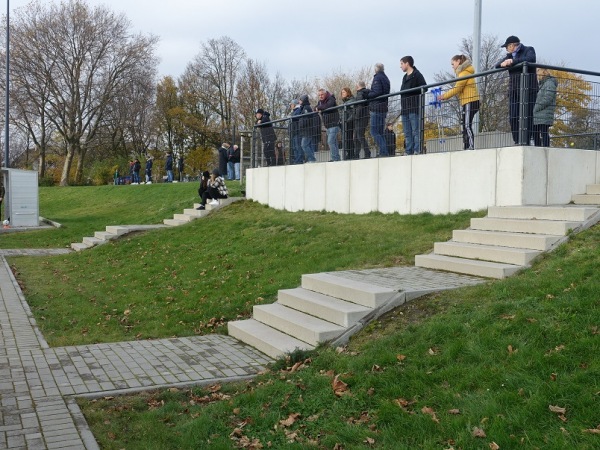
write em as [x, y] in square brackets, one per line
[310, 38]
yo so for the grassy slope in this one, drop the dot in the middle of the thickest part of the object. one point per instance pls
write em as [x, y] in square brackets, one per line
[501, 353]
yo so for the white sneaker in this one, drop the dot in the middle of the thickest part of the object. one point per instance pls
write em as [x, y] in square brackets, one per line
[214, 202]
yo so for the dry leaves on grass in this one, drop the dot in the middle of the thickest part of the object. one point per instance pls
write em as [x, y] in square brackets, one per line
[339, 387]
[494, 446]
[431, 412]
[560, 411]
[292, 418]
[405, 404]
[593, 430]
[511, 350]
[478, 432]
[556, 349]
[400, 357]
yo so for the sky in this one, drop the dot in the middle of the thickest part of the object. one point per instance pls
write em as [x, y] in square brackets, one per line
[308, 38]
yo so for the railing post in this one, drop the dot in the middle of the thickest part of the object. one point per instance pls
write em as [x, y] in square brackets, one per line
[344, 150]
[422, 120]
[523, 134]
[253, 149]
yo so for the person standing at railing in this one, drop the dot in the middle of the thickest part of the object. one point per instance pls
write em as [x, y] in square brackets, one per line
[224, 157]
[308, 125]
[361, 121]
[331, 121]
[267, 133]
[543, 111]
[379, 108]
[390, 139]
[411, 105]
[348, 124]
[468, 96]
[295, 138]
[518, 53]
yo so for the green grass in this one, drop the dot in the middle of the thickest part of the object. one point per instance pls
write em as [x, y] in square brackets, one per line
[493, 357]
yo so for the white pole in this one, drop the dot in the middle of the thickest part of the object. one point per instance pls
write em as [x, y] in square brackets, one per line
[477, 37]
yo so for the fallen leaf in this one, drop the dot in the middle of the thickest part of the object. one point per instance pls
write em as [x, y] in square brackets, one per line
[511, 350]
[553, 376]
[432, 351]
[507, 316]
[339, 387]
[557, 409]
[290, 420]
[454, 411]
[369, 441]
[400, 357]
[478, 432]
[431, 412]
[376, 368]
[593, 430]
[494, 446]
[371, 391]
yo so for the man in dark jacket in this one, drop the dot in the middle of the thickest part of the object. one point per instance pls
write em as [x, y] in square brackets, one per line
[149, 170]
[411, 104]
[330, 116]
[295, 138]
[518, 53]
[361, 121]
[267, 133]
[379, 108]
[308, 126]
[223, 157]
[169, 166]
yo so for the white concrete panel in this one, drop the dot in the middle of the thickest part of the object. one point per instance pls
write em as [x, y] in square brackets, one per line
[430, 183]
[535, 176]
[337, 197]
[395, 181]
[314, 187]
[569, 172]
[277, 187]
[509, 177]
[294, 188]
[260, 185]
[472, 180]
[597, 168]
[364, 186]
[248, 179]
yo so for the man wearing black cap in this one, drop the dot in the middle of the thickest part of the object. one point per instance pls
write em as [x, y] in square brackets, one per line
[518, 53]
[267, 133]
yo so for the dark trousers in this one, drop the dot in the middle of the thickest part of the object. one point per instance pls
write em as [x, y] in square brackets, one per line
[468, 113]
[348, 141]
[269, 153]
[212, 193]
[541, 135]
[360, 141]
[515, 113]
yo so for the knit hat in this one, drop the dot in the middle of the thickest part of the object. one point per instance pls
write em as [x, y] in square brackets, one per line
[216, 173]
[206, 174]
[260, 111]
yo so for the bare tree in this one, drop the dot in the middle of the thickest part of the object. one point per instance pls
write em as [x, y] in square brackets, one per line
[85, 58]
[252, 92]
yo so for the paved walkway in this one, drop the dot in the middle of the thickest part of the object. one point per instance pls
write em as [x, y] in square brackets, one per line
[38, 384]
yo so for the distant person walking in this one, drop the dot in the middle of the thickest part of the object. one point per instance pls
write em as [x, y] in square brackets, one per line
[180, 167]
[149, 164]
[468, 96]
[545, 104]
[411, 104]
[518, 53]
[169, 166]
[379, 108]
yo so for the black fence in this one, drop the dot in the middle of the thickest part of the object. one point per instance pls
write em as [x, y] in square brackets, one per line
[529, 105]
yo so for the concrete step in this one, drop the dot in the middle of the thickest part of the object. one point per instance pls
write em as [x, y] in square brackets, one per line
[552, 227]
[104, 235]
[174, 222]
[568, 213]
[268, 340]
[345, 289]
[302, 326]
[91, 241]
[516, 256]
[541, 242]
[78, 246]
[184, 217]
[195, 212]
[117, 229]
[592, 189]
[586, 199]
[323, 306]
[466, 266]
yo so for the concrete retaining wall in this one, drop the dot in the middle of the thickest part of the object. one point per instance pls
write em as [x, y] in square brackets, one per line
[439, 183]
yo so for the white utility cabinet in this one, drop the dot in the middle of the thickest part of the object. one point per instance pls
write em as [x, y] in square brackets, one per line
[21, 202]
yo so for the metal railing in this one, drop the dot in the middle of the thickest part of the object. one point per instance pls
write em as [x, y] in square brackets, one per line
[505, 117]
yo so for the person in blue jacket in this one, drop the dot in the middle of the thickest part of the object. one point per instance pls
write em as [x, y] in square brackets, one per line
[517, 53]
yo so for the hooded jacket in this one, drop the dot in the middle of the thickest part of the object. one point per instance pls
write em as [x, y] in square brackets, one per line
[545, 104]
[266, 128]
[308, 123]
[465, 89]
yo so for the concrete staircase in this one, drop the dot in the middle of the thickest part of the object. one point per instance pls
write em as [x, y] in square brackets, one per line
[325, 308]
[193, 213]
[591, 196]
[508, 239]
[116, 231]
[112, 232]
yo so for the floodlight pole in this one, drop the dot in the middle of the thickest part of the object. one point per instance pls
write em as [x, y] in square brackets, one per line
[477, 37]
[6, 131]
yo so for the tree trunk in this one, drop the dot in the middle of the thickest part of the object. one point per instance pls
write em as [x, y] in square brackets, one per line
[79, 170]
[64, 178]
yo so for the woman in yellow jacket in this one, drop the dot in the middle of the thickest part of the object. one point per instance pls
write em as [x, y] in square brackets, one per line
[466, 90]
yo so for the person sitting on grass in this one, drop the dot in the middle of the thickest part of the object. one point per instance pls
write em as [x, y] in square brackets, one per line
[216, 189]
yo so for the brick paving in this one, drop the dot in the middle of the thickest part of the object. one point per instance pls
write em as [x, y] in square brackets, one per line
[39, 384]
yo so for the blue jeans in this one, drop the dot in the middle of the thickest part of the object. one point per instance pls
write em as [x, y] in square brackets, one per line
[230, 170]
[297, 149]
[332, 142]
[308, 146]
[412, 133]
[169, 176]
[136, 177]
[236, 170]
[377, 127]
